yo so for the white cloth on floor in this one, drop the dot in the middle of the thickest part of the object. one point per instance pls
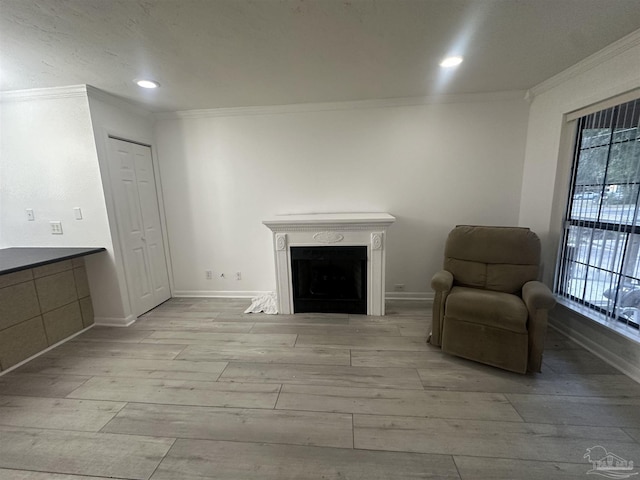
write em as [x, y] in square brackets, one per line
[266, 303]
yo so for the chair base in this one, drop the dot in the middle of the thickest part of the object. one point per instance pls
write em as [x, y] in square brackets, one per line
[496, 347]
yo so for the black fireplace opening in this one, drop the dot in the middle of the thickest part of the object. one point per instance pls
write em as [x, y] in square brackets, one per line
[329, 279]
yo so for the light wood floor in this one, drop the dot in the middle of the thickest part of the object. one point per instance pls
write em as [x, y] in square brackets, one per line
[197, 389]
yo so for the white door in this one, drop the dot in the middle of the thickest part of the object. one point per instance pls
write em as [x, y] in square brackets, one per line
[138, 217]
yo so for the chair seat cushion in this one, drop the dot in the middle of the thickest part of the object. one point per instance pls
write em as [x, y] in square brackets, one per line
[494, 309]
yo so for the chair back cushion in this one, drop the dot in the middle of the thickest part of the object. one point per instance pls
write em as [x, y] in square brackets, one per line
[502, 259]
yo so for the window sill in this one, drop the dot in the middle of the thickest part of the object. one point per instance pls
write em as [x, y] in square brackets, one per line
[630, 333]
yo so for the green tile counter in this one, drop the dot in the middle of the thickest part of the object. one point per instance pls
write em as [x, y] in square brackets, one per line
[44, 298]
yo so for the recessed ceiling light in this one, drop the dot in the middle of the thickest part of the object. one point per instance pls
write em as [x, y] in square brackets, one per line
[147, 84]
[451, 62]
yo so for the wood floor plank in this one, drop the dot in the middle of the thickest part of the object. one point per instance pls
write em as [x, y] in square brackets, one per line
[390, 320]
[555, 340]
[176, 314]
[6, 474]
[166, 351]
[233, 424]
[413, 330]
[316, 317]
[58, 413]
[127, 367]
[474, 468]
[306, 329]
[549, 383]
[227, 339]
[21, 383]
[208, 306]
[524, 441]
[111, 334]
[294, 319]
[295, 355]
[634, 433]
[340, 376]
[205, 459]
[239, 305]
[82, 453]
[577, 361]
[430, 359]
[363, 342]
[574, 410]
[179, 392]
[379, 401]
[180, 324]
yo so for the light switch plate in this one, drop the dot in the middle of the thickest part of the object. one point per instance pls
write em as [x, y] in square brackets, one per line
[78, 213]
[30, 215]
[56, 228]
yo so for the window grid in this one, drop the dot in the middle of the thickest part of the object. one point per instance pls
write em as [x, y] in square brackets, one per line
[600, 256]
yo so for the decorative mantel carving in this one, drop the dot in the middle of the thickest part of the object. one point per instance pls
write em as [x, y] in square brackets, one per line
[367, 229]
[281, 241]
[376, 241]
[328, 237]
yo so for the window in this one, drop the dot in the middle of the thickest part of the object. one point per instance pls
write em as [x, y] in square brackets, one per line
[600, 257]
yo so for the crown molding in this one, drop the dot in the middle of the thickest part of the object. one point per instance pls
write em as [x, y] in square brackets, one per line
[73, 91]
[117, 102]
[349, 105]
[611, 51]
[53, 93]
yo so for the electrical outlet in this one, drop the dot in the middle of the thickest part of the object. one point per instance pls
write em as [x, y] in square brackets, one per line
[399, 287]
[208, 274]
[238, 275]
[56, 228]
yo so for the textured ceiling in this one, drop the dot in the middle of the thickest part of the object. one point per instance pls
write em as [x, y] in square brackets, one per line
[229, 53]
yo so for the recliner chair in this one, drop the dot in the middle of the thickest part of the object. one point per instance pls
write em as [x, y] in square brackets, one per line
[489, 306]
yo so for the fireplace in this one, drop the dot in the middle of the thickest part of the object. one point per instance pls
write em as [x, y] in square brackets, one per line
[300, 241]
[329, 279]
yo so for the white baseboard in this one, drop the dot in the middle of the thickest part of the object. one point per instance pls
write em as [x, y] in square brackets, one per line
[421, 296]
[114, 321]
[605, 354]
[218, 293]
[26, 360]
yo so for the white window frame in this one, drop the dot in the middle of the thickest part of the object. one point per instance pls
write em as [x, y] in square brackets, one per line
[568, 146]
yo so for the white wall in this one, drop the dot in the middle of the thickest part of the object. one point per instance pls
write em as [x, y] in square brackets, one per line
[111, 116]
[432, 166]
[609, 73]
[48, 162]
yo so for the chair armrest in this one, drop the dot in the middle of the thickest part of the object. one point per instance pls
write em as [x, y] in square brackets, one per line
[442, 281]
[537, 296]
[539, 300]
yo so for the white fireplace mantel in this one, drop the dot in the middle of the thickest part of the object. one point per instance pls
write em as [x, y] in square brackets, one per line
[324, 229]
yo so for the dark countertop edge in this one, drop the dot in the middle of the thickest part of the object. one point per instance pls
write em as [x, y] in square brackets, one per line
[59, 257]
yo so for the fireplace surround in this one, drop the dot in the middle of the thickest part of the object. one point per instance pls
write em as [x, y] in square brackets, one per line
[331, 230]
